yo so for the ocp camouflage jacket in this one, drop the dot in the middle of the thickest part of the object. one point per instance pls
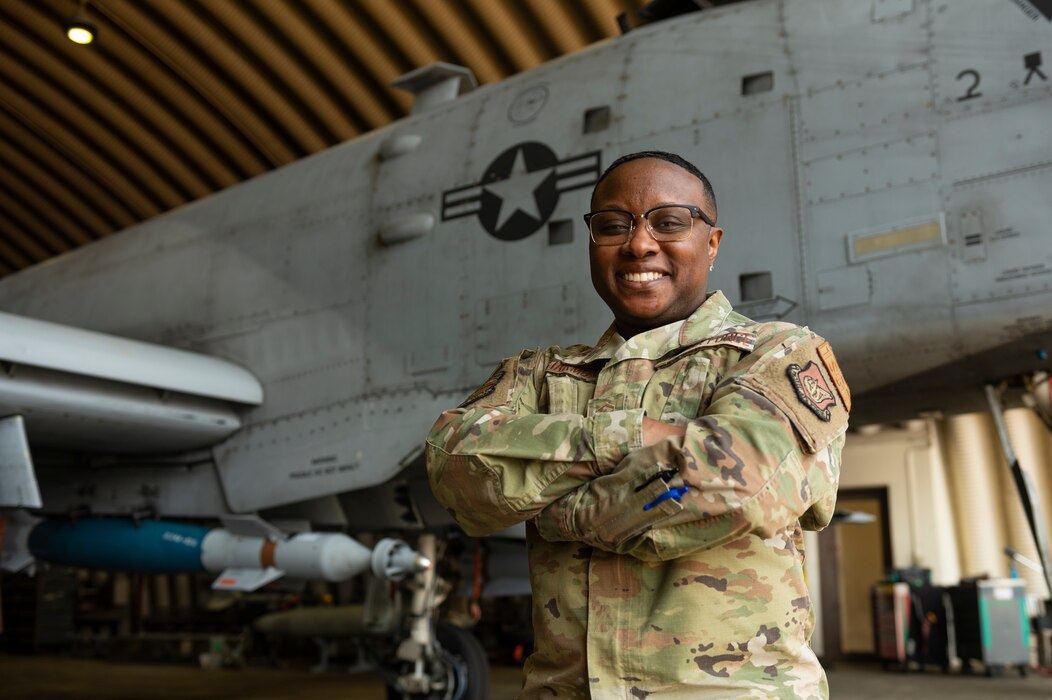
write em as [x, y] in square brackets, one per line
[641, 588]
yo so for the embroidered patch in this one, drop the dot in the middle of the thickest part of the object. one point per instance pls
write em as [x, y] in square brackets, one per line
[487, 388]
[735, 339]
[588, 372]
[740, 339]
[812, 389]
[825, 352]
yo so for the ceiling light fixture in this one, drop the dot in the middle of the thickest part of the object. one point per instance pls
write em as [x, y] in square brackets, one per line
[81, 29]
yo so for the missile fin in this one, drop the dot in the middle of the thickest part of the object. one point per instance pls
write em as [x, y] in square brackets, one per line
[246, 579]
[251, 526]
[15, 527]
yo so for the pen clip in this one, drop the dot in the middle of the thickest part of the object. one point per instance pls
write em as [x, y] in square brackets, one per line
[665, 474]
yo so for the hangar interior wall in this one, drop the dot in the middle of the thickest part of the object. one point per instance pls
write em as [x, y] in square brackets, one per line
[952, 504]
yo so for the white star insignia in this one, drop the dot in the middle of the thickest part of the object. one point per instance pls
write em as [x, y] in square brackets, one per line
[516, 192]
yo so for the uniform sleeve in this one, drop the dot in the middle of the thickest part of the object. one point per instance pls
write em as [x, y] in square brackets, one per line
[764, 454]
[497, 460]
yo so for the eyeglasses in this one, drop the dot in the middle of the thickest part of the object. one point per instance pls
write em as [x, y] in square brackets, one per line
[670, 222]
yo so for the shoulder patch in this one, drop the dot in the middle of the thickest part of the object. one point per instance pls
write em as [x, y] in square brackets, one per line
[488, 387]
[825, 353]
[812, 389]
[793, 376]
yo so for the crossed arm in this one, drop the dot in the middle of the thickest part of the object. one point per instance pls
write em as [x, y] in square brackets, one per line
[497, 461]
[492, 469]
[590, 479]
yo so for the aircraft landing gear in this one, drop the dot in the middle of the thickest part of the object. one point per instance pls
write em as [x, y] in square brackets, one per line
[459, 669]
[446, 663]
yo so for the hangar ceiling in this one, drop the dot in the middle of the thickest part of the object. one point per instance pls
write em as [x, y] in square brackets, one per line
[177, 99]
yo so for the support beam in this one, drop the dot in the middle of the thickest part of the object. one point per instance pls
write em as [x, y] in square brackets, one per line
[1031, 505]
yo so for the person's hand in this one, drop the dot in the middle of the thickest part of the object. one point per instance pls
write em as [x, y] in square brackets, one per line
[655, 430]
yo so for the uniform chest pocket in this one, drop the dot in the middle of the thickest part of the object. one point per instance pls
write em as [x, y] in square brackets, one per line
[567, 395]
[679, 392]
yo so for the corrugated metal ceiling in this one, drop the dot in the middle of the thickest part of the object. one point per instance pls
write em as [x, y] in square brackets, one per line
[178, 98]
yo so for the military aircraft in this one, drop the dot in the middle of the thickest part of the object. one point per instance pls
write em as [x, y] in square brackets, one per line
[278, 351]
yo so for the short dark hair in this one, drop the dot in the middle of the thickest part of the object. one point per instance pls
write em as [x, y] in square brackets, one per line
[676, 160]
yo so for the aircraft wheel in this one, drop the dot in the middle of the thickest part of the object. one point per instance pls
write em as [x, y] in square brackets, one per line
[463, 664]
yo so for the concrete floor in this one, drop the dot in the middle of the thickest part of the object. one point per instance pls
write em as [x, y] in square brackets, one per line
[53, 678]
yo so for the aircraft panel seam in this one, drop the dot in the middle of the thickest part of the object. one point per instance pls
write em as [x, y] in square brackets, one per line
[1022, 171]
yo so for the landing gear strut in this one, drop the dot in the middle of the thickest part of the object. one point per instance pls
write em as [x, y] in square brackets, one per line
[443, 663]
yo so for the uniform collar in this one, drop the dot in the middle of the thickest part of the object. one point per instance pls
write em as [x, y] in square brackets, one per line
[710, 319]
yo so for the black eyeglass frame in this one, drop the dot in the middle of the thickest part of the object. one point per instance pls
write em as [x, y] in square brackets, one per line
[695, 213]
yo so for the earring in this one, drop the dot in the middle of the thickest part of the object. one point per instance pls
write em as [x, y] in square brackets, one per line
[710, 268]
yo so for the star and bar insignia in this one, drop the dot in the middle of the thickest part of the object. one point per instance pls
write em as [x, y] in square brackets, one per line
[519, 190]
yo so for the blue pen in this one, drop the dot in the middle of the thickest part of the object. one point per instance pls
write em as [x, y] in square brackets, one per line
[675, 493]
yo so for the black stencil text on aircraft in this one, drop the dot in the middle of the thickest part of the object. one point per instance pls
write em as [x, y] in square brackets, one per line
[1032, 63]
[970, 93]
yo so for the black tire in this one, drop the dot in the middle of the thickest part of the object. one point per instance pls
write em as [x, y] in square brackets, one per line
[472, 666]
[464, 645]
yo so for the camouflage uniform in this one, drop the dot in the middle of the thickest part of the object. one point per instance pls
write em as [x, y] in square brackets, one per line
[702, 595]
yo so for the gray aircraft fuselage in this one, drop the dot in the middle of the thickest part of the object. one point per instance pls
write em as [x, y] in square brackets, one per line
[883, 173]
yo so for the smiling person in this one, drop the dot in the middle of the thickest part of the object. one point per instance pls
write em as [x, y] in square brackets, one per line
[665, 474]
